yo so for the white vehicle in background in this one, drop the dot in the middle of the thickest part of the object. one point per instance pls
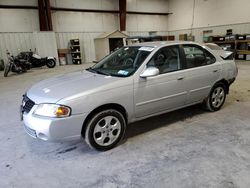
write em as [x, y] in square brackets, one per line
[131, 84]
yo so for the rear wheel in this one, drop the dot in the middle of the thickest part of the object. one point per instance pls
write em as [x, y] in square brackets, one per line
[105, 129]
[51, 63]
[216, 98]
[6, 69]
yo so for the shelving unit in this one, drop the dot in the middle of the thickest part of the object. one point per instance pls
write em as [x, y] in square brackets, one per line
[243, 49]
[240, 45]
[75, 51]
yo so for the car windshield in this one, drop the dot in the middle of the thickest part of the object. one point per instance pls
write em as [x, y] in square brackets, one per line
[123, 62]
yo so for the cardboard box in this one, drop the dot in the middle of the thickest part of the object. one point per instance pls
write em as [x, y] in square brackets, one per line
[77, 61]
[248, 57]
[241, 37]
[227, 38]
[218, 38]
[232, 37]
[183, 37]
[63, 51]
[241, 56]
[171, 37]
[75, 42]
[191, 38]
[248, 37]
[76, 55]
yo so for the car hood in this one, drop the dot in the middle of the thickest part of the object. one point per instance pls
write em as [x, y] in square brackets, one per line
[54, 89]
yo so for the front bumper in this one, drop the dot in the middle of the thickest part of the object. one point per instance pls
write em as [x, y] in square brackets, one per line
[53, 129]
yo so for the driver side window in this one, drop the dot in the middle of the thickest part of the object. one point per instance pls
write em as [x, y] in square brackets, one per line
[167, 59]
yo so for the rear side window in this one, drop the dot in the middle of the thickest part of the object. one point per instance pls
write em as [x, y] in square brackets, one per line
[197, 56]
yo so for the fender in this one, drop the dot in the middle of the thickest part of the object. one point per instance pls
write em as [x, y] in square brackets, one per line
[50, 57]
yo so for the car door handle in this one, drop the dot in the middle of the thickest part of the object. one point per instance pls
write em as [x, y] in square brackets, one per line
[215, 70]
[180, 78]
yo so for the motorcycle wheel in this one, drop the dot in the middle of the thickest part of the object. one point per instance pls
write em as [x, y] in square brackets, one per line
[6, 69]
[51, 63]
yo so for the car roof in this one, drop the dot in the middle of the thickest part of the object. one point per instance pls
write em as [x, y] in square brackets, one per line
[162, 43]
[159, 44]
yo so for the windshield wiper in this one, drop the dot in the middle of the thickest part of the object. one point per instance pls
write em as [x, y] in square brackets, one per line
[90, 69]
[97, 71]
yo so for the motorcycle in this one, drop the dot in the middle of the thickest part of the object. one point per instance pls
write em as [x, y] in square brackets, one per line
[16, 65]
[36, 60]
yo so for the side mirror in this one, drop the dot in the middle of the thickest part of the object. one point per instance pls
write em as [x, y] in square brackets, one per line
[150, 72]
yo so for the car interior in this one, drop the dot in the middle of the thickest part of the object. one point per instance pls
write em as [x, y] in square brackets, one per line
[166, 60]
[196, 57]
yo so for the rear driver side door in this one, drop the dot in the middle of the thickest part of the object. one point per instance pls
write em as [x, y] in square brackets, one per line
[202, 72]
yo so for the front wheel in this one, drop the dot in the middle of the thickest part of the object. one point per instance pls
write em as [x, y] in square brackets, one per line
[105, 129]
[51, 63]
[6, 69]
[216, 98]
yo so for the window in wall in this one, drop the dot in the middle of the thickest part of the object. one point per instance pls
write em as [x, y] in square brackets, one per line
[206, 35]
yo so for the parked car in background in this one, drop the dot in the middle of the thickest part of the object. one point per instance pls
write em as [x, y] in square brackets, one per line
[131, 84]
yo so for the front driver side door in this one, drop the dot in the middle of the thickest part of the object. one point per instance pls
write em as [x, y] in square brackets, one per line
[166, 91]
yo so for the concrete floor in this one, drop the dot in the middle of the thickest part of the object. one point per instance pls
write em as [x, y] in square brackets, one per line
[186, 148]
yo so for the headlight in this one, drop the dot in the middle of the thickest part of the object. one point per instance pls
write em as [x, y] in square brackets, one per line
[52, 110]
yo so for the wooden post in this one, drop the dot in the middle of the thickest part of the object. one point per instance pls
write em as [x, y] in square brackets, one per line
[122, 14]
[45, 20]
[48, 14]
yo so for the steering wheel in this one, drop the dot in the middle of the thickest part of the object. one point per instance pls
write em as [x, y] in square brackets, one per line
[129, 62]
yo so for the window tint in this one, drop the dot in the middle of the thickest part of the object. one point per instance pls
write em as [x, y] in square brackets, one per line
[167, 59]
[196, 56]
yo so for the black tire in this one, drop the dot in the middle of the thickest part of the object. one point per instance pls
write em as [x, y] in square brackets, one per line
[24, 70]
[50, 63]
[215, 100]
[6, 69]
[109, 134]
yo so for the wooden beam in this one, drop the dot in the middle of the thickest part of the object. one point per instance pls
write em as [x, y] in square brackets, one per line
[106, 11]
[44, 11]
[149, 13]
[42, 17]
[17, 7]
[48, 15]
[84, 10]
[122, 14]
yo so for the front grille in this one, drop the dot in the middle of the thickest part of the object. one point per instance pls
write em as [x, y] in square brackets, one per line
[30, 131]
[27, 104]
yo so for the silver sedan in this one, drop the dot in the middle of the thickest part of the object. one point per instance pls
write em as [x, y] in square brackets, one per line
[131, 84]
